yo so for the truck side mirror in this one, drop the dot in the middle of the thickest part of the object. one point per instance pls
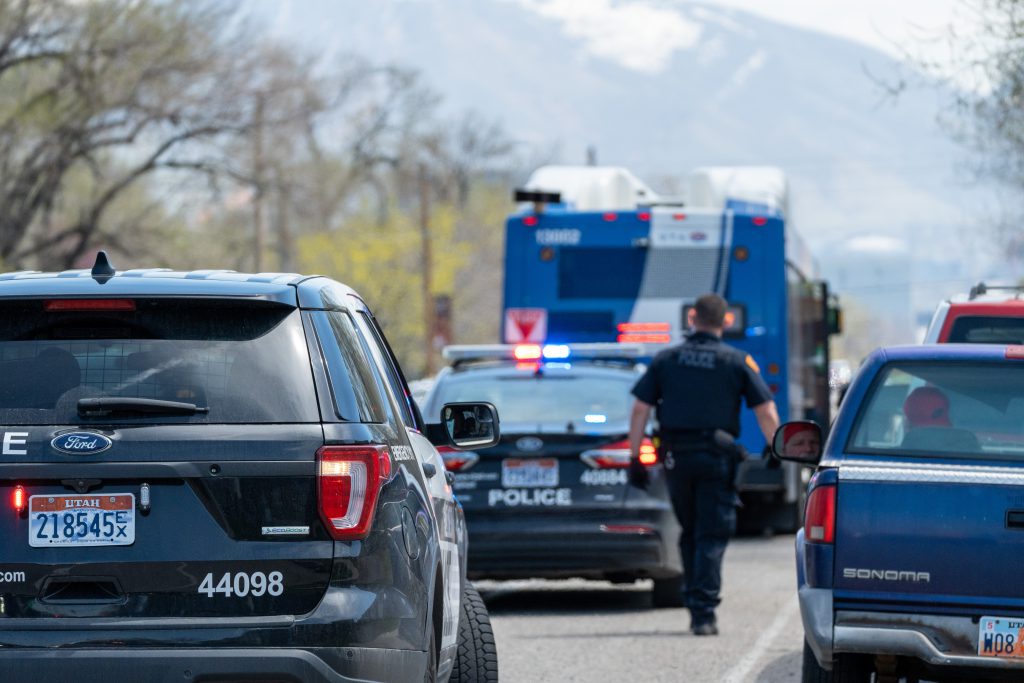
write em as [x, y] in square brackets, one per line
[798, 441]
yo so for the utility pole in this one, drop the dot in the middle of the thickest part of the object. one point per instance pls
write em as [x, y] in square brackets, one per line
[428, 266]
[257, 174]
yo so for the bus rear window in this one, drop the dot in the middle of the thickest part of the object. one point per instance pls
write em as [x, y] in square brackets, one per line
[600, 273]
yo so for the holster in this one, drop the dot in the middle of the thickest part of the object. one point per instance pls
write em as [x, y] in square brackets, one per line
[726, 445]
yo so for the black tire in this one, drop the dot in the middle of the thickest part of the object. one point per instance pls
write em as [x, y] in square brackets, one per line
[476, 660]
[846, 669]
[668, 592]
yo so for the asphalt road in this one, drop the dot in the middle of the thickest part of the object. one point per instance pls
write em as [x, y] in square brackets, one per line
[590, 631]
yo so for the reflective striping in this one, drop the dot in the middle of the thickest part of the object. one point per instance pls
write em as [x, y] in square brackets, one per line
[933, 473]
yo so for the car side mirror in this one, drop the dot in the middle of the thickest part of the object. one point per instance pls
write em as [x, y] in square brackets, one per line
[468, 425]
[798, 441]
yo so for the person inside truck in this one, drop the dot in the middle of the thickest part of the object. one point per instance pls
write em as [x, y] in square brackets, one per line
[929, 427]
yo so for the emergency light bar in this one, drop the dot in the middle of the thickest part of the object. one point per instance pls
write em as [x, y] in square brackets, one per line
[463, 353]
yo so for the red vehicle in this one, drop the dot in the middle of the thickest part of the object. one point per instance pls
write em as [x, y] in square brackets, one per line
[987, 315]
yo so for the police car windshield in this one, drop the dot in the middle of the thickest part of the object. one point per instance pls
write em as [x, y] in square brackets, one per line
[966, 409]
[234, 360]
[552, 398]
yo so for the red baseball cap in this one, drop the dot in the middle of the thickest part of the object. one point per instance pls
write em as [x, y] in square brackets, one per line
[927, 407]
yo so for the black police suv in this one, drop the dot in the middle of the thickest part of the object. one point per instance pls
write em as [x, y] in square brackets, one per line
[552, 498]
[212, 476]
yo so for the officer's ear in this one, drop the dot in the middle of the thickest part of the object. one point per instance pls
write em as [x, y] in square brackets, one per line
[691, 316]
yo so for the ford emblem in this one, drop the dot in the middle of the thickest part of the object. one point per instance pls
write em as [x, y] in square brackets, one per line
[81, 443]
[529, 444]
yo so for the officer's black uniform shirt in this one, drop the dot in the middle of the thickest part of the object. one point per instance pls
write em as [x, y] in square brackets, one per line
[697, 385]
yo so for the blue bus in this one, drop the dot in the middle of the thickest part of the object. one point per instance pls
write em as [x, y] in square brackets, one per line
[594, 256]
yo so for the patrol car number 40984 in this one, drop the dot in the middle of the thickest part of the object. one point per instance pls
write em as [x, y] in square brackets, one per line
[216, 476]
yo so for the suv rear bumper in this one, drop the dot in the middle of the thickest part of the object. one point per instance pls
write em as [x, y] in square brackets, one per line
[641, 544]
[938, 641]
[212, 665]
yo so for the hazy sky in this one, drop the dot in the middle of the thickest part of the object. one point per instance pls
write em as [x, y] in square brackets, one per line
[643, 34]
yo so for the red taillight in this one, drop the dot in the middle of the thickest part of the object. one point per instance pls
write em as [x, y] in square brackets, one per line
[529, 221]
[60, 305]
[643, 216]
[456, 460]
[616, 455]
[759, 221]
[18, 498]
[820, 518]
[609, 217]
[350, 481]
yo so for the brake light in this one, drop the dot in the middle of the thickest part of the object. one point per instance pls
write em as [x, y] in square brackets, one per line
[1015, 352]
[61, 305]
[616, 455]
[456, 460]
[18, 498]
[820, 518]
[350, 479]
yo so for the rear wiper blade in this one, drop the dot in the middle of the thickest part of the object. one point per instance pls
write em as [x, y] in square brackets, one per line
[99, 407]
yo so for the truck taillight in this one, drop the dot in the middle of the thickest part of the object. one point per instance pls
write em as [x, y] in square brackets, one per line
[350, 479]
[616, 455]
[456, 460]
[820, 518]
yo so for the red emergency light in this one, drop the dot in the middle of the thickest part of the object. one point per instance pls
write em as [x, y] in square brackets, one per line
[644, 338]
[643, 327]
[529, 221]
[759, 221]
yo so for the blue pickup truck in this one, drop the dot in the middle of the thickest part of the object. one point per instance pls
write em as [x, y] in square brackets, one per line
[909, 564]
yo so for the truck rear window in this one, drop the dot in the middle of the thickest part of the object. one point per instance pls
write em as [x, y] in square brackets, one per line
[246, 361]
[979, 329]
[949, 408]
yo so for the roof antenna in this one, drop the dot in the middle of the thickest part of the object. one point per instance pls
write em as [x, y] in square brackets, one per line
[103, 269]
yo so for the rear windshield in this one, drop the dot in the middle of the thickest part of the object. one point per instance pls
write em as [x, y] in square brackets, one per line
[963, 409]
[583, 401]
[983, 329]
[245, 361]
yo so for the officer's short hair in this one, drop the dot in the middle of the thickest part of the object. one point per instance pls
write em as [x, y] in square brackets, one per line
[710, 310]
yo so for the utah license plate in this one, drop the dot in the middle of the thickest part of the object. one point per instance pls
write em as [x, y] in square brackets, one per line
[529, 472]
[1001, 637]
[81, 520]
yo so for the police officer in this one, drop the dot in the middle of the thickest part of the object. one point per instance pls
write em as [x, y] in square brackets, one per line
[696, 388]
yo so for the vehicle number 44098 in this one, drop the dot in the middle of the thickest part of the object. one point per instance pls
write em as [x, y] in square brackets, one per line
[242, 584]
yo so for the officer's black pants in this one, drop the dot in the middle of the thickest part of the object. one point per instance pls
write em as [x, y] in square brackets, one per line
[700, 484]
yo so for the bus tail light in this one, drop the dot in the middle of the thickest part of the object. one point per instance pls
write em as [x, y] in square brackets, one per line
[349, 483]
[456, 460]
[820, 518]
[616, 455]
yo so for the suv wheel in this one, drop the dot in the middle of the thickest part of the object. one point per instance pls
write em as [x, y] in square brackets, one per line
[668, 592]
[477, 657]
[847, 669]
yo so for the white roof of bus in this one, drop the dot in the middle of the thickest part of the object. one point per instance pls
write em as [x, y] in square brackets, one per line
[711, 186]
[593, 188]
